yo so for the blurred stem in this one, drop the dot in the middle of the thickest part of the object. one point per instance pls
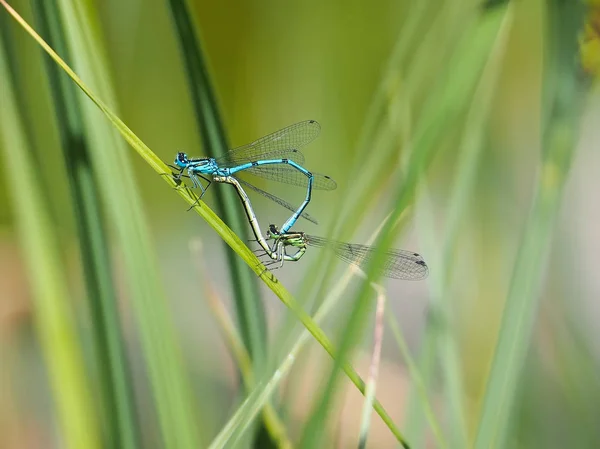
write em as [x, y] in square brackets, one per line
[54, 318]
[388, 125]
[419, 385]
[562, 106]
[447, 99]
[273, 423]
[116, 390]
[374, 367]
[171, 391]
[250, 310]
[378, 117]
[440, 321]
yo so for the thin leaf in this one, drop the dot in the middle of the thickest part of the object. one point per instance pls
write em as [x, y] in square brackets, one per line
[54, 318]
[445, 101]
[249, 306]
[116, 390]
[563, 105]
[170, 386]
[273, 424]
[440, 323]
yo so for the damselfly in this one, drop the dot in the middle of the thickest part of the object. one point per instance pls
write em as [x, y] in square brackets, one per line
[396, 264]
[275, 157]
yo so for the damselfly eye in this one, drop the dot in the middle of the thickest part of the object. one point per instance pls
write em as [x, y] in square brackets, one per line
[181, 160]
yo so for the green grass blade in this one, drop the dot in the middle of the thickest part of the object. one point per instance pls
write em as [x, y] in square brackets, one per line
[445, 101]
[213, 220]
[519, 311]
[250, 310]
[421, 390]
[562, 106]
[234, 429]
[54, 318]
[381, 133]
[115, 386]
[174, 403]
[440, 322]
[263, 392]
[273, 424]
[389, 124]
[578, 370]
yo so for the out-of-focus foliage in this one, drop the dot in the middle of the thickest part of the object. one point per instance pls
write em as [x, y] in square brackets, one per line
[590, 40]
[439, 113]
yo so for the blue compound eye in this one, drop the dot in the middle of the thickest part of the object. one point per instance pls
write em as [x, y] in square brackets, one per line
[181, 159]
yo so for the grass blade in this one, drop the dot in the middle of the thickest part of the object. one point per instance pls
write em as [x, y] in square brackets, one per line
[273, 424]
[54, 319]
[373, 368]
[563, 103]
[444, 102]
[168, 380]
[116, 391]
[439, 327]
[250, 310]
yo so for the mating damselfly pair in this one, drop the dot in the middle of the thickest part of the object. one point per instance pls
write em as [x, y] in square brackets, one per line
[277, 157]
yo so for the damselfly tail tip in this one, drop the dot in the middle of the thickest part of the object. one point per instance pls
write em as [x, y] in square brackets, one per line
[424, 272]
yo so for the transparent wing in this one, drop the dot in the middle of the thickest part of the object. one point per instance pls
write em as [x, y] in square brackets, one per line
[277, 200]
[290, 175]
[398, 264]
[284, 143]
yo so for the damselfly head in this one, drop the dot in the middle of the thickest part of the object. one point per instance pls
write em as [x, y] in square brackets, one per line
[272, 231]
[181, 160]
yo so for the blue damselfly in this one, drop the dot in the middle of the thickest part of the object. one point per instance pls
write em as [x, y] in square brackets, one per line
[275, 157]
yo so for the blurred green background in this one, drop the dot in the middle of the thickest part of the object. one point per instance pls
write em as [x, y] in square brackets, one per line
[482, 116]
